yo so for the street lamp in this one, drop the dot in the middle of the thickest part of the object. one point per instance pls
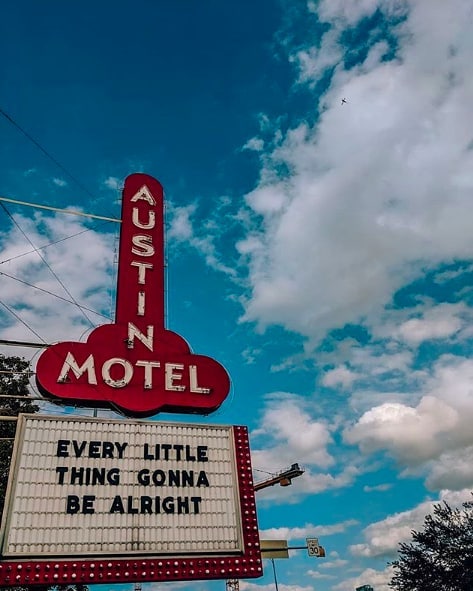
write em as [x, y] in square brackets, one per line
[283, 478]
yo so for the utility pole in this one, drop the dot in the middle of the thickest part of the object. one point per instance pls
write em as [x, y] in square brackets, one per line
[283, 478]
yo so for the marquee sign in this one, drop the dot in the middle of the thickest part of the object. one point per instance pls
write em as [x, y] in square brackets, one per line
[111, 501]
[128, 501]
[135, 365]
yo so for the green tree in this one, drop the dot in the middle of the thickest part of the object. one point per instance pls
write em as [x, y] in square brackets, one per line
[14, 380]
[440, 557]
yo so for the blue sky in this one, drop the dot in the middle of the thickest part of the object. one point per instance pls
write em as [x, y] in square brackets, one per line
[320, 251]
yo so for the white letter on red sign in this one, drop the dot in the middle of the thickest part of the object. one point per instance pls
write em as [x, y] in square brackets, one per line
[143, 241]
[127, 375]
[71, 363]
[170, 377]
[147, 339]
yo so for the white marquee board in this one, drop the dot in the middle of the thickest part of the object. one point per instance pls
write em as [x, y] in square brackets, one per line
[82, 486]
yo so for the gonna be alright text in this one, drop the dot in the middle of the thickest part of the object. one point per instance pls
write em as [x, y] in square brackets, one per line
[191, 477]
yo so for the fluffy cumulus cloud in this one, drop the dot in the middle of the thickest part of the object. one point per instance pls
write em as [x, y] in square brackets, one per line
[288, 429]
[383, 537]
[294, 433]
[412, 434]
[379, 189]
[453, 469]
[350, 209]
[435, 433]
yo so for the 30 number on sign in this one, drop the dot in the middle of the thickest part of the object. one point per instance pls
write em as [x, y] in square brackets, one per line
[313, 548]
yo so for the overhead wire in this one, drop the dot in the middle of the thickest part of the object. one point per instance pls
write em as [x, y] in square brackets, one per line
[52, 243]
[45, 152]
[72, 177]
[264, 472]
[13, 313]
[53, 294]
[35, 249]
[47, 264]
[61, 210]
[11, 343]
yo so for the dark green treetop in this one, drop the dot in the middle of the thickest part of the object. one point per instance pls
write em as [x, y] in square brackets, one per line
[440, 556]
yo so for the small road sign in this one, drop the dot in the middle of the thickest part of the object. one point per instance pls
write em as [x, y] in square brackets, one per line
[313, 548]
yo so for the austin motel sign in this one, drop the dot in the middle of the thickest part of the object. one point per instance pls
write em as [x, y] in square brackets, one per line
[110, 500]
[135, 365]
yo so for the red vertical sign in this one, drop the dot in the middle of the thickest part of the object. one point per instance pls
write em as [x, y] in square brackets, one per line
[135, 364]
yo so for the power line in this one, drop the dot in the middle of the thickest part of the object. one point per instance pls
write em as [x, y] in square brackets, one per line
[47, 264]
[23, 344]
[46, 153]
[51, 244]
[13, 313]
[12, 121]
[53, 294]
[61, 210]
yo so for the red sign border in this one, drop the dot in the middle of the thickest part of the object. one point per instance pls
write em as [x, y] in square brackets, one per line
[160, 568]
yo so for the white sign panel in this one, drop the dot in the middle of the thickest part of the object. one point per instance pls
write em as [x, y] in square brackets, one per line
[313, 548]
[110, 487]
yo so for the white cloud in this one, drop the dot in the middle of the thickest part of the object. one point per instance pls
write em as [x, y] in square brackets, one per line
[334, 563]
[351, 11]
[180, 227]
[59, 182]
[83, 264]
[247, 586]
[113, 182]
[383, 537]
[255, 144]
[377, 487]
[181, 230]
[444, 276]
[432, 433]
[293, 434]
[287, 433]
[411, 434]
[307, 531]
[453, 469]
[339, 376]
[439, 322]
[379, 580]
[312, 62]
[318, 575]
[376, 361]
[379, 189]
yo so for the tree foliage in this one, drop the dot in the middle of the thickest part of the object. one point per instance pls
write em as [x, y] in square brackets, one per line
[14, 379]
[440, 557]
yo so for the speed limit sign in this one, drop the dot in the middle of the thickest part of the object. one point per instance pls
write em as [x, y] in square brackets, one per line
[313, 547]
